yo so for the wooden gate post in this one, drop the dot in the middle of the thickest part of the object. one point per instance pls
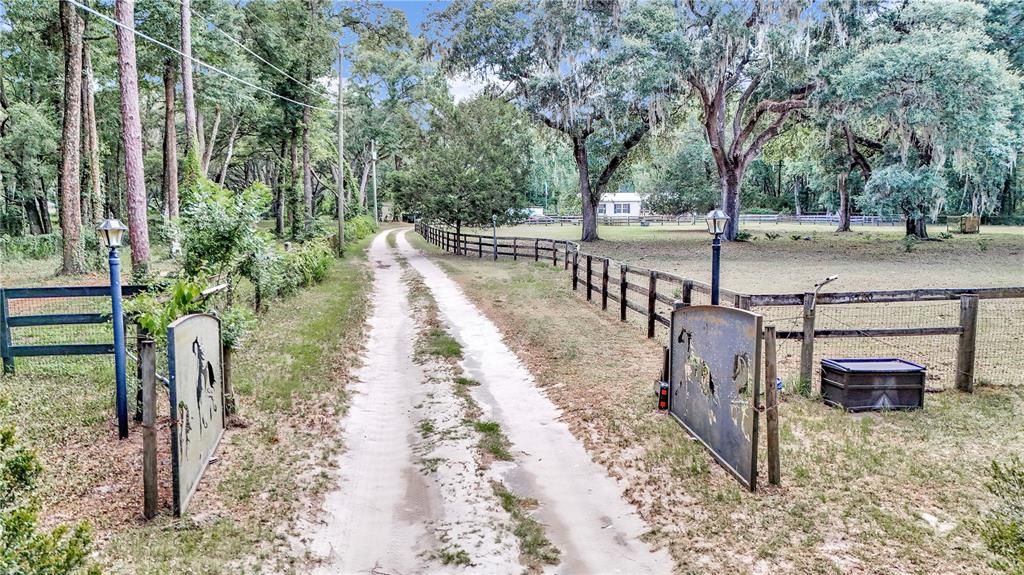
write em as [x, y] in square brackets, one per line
[589, 286]
[622, 292]
[771, 406]
[604, 284]
[5, 336]
[967, 344]
[147, 364]
[807, 345]
[651, 298]
[575, 270]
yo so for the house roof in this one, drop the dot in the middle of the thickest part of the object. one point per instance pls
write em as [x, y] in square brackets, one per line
[621, 197]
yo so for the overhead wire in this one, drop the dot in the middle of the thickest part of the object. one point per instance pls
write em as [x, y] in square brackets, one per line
[252, 53]
[195, 60]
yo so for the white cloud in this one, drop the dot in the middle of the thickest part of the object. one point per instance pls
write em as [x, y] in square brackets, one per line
[464, 88]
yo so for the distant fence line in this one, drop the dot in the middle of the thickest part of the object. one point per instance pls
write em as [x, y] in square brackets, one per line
[650, 219]
[944, 322]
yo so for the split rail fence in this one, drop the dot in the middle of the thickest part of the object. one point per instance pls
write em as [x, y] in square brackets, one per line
[959, 334]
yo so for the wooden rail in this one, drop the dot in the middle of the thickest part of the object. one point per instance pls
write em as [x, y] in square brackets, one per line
[654, 292]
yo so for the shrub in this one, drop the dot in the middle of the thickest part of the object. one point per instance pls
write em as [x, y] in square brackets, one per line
[744, 236]
[1003, 527]
[772, 235]
[23, 548]
[359, 227]
[30, 247]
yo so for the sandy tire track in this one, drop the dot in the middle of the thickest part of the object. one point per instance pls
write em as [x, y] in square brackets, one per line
[587, 517]
[410, 496]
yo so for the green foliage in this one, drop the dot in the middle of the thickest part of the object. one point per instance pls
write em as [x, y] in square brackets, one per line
[154, 311]
[30, 247]
[744, 236]
[472, 166]
[772, 236]
[1002, 528]
[24, 550]
[359, 227]
[236, 324]
[909, 243]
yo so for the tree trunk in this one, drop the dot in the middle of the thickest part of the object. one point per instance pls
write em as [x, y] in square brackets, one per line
[230, 152]
[187, 86]
[797, 184]
[589, 208]
[170, 140]
[92, 141]
[34, 216]
[279, 194]
[294, 220]
[844, 202]
[362, 185]
[307, 175]
[71, 143]
[730, 183]
[131, 134]
[44, 208]
[208, 145]
[917, 227]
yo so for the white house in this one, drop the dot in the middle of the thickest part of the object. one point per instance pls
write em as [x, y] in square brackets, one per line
[621, 205]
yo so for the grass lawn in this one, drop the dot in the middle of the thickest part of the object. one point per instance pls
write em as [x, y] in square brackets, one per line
[868, 258]
[269, 472]
[897, 492]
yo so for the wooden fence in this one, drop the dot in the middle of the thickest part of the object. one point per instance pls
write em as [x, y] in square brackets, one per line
[651, 295]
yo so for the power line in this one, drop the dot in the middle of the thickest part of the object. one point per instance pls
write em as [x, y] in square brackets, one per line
[254, 54]
[196, 60]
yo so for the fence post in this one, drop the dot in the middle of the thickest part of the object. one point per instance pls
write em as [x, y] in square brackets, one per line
[771, 405]
[575, 270]
[536, 250]
[687, 292]
[230, 405]
[743, 302]
[515, 249]
[604, 284]
[651, 298]
[967, 344]
[622, 292]
[147, 363]
[140, 335]
[566, 254]
[554, 253]
[5, 335]
[590, 287]
[807, 345]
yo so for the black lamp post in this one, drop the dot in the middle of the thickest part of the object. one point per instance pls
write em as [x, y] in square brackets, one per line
[112, 232]
[716, 220]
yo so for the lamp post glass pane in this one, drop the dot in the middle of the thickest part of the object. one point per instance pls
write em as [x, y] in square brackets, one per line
[112, 232]
[716, 221]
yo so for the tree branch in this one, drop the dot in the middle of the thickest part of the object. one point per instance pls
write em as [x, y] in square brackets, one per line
[616, 160]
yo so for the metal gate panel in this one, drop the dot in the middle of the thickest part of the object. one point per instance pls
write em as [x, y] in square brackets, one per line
[715, 383]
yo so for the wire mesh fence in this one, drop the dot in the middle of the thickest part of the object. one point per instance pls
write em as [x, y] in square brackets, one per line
[999, 358]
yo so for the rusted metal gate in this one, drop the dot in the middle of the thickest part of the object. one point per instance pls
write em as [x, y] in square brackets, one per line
[715, 382]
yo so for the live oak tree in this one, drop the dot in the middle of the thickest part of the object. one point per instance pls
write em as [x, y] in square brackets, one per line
[470, 166]
[587, 70]
[927, 103]
[752, 66]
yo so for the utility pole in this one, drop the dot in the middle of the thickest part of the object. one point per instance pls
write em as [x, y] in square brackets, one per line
[341, 153]
[373, 159]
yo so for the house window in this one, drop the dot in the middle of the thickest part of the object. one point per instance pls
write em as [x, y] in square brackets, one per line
[601, 209]
[621, 208]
